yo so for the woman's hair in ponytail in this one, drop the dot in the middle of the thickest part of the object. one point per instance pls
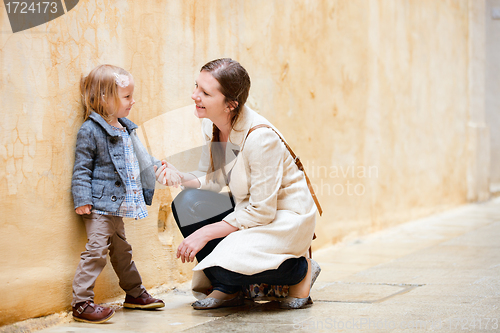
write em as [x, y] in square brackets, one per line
[234, 84]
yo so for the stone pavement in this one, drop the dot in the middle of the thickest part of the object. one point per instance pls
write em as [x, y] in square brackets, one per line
[440, 273]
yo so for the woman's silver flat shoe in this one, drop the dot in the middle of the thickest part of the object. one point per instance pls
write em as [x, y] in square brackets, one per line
[298, 303]
[214, 303]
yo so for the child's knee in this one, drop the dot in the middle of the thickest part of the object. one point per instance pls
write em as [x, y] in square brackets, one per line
[97, 248]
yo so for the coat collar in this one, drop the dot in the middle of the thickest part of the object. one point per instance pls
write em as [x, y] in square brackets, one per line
[130, 126]
[245, 122]
[237, 137]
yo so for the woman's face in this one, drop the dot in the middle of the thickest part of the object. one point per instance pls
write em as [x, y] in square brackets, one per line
[210, 102]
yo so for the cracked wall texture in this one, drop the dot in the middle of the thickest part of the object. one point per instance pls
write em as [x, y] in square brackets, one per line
[372, 95]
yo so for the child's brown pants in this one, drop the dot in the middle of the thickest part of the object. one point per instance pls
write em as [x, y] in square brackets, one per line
[105, 232]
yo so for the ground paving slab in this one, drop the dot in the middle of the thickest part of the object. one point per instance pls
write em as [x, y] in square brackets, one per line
[439, 274]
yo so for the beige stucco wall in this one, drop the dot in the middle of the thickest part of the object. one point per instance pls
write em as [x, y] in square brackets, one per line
[373, 95]
[493, 86]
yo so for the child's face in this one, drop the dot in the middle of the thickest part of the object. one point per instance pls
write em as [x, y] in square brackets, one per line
[126, 102]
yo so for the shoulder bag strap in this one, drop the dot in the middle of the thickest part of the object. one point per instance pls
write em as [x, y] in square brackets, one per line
[297, 162]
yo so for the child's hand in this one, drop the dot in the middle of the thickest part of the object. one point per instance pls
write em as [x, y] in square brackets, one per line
[173, 178]
[170, 166]
[167, 176]
[82, 210]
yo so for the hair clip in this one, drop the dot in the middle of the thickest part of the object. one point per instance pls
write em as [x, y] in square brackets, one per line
[121, 80]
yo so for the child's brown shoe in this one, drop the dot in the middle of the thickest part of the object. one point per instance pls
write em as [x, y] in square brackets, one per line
[145, 301]
[89, 312]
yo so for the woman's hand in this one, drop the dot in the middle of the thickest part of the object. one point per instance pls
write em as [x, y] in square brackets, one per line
[82, 210]
[170, 166]
[191, 245]
[168, 175]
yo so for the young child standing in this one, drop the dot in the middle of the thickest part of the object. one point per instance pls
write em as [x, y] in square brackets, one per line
[113, 177]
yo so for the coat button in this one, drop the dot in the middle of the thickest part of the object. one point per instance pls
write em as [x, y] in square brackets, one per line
[113, 198]
[118, 183]
[113, 139]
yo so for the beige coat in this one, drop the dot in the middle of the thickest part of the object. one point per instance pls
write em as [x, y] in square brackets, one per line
[274, 212]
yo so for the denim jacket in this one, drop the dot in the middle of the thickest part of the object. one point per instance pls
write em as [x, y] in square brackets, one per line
[99, 173]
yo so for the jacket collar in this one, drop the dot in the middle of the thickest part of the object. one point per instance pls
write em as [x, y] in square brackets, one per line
[130, 126]
[245, 122]
[237, 137]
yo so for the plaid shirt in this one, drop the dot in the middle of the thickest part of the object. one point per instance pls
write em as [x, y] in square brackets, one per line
[133, 205]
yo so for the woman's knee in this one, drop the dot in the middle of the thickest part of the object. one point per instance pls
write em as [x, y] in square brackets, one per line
[185, 198]
[183, 201]
[190, 197]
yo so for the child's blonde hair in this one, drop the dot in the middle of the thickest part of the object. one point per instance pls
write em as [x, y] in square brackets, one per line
[99, 88]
